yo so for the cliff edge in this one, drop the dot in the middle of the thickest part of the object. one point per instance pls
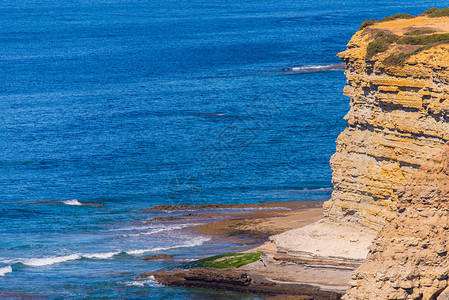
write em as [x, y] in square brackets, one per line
[398, 81]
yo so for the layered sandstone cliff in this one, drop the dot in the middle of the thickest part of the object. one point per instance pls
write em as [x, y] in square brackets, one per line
[409, 259]
[399, 117]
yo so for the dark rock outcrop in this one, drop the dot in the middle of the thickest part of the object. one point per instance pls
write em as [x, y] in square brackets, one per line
[238, 281]
[158, 257]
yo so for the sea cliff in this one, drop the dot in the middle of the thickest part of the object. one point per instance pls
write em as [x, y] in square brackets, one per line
[391, 168]
[398, 83]
[409, 258]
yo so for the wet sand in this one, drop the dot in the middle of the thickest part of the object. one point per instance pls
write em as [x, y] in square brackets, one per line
[243, 223]
[257, 226]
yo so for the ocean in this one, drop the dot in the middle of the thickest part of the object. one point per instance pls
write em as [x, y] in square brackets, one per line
[132, 104]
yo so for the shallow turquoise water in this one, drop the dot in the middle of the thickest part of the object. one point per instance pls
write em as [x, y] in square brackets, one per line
[136, 103]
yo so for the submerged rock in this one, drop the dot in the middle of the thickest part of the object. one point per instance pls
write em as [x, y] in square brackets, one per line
[159, 257]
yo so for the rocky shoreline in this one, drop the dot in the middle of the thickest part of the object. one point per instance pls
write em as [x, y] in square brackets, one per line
[249, 224]
[239, 281]
[279, 271]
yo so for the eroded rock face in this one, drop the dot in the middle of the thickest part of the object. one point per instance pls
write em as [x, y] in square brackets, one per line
[409, 259]
[399, 119]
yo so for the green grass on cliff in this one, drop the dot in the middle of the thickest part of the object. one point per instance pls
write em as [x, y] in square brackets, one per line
[420, 32]
[397, 16]
[367, 23]
[399, 59]
[431, 13]
[420, 37]
[380, 34]
[225, 261]
[433, 39]
[379, 46]
[383, 42]
[436, 12]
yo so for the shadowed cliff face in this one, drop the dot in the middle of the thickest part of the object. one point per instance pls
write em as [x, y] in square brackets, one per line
[399, 119]
[409, 259]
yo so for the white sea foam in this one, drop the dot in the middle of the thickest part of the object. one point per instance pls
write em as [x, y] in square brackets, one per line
[316, 68]
[101, 255]
[9, 261]
[47, 261]
[150, 281]
[130, 228]
[319, 189]
[194, 243]
[72, 202]
[157, 230]
[143, 233]
[142, 251]
[5, 270]
[308, 68]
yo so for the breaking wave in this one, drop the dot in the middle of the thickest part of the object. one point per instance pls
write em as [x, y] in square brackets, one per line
[130, 228]
[47, 261]
[101, 255]
[157, 230]
[5, 270]
[314, 68]
[150, 281]
[72, 202]
[194, 243]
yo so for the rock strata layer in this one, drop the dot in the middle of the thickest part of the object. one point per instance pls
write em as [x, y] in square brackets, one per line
[398, 120]
[409, 259]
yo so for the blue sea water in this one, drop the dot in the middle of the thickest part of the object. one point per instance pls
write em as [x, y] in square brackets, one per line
[138, 103]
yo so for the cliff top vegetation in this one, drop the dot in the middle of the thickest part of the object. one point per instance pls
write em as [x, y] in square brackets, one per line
[404, 35]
